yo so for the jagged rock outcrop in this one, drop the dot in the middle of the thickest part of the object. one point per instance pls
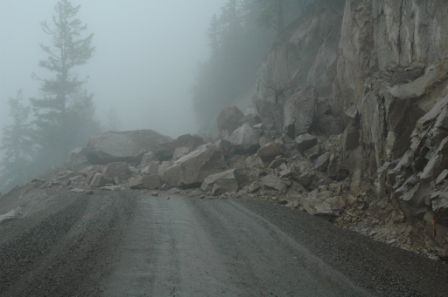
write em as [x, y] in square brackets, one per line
[369, 78]
[298, 75]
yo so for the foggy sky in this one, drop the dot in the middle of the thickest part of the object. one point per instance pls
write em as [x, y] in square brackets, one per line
[146, 59]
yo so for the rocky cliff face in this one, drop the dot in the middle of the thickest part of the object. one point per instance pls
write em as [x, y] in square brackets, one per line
[369, 78]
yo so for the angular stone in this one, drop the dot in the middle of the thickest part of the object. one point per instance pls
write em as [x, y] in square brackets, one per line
[145, 182]
[180, 152]
[305, 141]
[98, 180]
[11, 215]
[147, 158]
[192, 169]
[223, 182]
[274, 182]
[177, 148]
[324, 203]
[230, 119]
[244, 139]
[127, 146]
[442, 177]
[151, 168]
[299, 111]
[321, 163]
[118, 172]
[268, 152]
[163, 167]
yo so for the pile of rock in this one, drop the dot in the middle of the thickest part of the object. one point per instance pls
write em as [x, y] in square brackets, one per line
[318, 174]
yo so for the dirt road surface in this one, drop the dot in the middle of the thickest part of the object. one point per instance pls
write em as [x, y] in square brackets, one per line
[119, 244]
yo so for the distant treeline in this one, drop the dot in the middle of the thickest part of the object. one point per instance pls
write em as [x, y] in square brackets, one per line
[240, 38]
[46, 127]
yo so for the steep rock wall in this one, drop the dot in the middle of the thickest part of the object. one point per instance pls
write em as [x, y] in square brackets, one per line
[374, 73]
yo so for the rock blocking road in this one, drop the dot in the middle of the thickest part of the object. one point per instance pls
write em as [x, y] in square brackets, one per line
[133, 244]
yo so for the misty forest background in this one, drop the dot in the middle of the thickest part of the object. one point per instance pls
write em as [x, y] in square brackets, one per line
[47, 126]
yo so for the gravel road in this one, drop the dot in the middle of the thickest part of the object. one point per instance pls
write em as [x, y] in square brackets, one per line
[118, 244]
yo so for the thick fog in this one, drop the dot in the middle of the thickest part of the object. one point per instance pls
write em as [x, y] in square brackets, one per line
[146, 58]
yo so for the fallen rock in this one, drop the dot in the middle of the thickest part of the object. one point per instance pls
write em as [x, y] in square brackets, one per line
[299, 111]
[163, 167]
[223, 182]
[179, 147]
[118, 172]
[98, 180]
[112, 188]
[151, 168]
[77, 157]
[244, 139]
[11, 215]
[253, 187]
[127, 146]
[274, 182]
[148, 158]
[321, 163]
[82, 191]
[145, 182]
[268, 152]
[305, 141]
[180, 152]
[192, 169]
[313, 153]
[442, 177]
[230, 119]
[323, 203]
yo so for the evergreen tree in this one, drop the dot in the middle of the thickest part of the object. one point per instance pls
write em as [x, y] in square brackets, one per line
[272, 14]
[278, 14]
[17, 144]
[64, 110]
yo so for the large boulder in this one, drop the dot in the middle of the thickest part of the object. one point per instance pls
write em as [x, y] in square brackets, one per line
[117, 172]
[270, 151]
[321, 163]
[145, 182]
[129, 146]
[305, 141]
[192, 169]
[223, 182]
[299, 113]
[98, 180]
[274, 182]
[179, 147]
[11, 215]
[230, 119]
[151, 168]
[244, 139]
[323, 203]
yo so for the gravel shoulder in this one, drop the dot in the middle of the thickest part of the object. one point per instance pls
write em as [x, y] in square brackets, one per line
[383, 270]
[63, 252]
